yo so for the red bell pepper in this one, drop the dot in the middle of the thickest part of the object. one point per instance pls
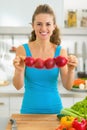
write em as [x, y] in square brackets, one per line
[79, 124]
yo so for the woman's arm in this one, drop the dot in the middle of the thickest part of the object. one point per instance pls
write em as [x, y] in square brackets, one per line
[18, 62]
[68, 71]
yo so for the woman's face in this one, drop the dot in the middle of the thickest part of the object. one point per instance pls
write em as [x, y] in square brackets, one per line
[43, 26]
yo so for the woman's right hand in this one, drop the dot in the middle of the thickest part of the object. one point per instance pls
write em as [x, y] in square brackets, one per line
[18, 63]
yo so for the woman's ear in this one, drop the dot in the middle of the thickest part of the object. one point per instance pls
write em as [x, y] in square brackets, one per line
[54, 27]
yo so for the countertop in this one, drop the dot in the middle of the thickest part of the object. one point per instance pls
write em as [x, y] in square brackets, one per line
[34, 122]
[10, 90]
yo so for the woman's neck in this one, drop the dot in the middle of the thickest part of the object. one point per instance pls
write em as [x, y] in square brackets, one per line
[43, 44]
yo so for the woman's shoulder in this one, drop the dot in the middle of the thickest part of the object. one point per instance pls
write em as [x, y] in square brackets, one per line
[63, 52]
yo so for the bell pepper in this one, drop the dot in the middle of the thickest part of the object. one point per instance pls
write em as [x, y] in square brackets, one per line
[67, 120]
[79, 124]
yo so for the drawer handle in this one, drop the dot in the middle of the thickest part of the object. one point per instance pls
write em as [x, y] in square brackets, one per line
[1, 103]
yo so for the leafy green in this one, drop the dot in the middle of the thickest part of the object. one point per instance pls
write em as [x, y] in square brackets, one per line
[81, 107]
[71, 112]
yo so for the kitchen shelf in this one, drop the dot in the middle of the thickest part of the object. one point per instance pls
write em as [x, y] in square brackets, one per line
[74, 31]
[15, 30]
[27, 30]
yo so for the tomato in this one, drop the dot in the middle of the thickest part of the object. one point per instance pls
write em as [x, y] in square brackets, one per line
[72, 128]
[62, 127]
[39, 63]
[29, 61]
[49, 63]
[60, 61]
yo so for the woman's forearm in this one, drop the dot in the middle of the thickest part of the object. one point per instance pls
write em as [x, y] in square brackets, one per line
[69, 79]
[18, 79]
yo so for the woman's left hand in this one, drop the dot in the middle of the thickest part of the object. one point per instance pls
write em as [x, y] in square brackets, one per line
[72, 62]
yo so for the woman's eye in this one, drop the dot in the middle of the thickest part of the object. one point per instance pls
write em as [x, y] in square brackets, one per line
[48, 24]
[38, 24]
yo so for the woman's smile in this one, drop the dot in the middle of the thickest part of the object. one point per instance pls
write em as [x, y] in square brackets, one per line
[44, 33]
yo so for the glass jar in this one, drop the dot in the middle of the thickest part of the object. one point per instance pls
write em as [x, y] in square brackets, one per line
[72, 18]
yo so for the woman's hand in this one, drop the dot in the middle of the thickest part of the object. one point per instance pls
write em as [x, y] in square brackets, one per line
[18, 63]
[72, 62]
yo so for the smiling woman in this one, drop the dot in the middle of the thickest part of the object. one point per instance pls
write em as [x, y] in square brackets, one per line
[41, 85]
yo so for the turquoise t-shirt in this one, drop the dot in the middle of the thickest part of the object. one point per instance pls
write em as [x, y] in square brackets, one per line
[41, 94]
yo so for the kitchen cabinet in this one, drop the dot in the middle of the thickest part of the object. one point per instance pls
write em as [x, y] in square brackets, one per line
[78, 99]
[67, 101]
[4, 106]
[11, 99]
[15, 104]
[10, 105]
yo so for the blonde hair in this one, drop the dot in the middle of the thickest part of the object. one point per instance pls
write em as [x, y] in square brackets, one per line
[46, 9]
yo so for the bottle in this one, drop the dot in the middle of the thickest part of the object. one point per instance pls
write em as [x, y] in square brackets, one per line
[84, 18]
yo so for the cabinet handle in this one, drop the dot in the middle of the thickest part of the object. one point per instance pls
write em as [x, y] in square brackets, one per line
[1, 103]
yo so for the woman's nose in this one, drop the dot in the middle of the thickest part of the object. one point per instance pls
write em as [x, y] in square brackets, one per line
[43, 27]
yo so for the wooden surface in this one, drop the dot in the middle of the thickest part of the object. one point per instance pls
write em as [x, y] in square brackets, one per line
[35, 122]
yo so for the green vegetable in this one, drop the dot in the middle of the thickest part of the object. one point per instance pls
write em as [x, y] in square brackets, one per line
[81, 107]
[60, 115]
[71, 112]
[74, 86]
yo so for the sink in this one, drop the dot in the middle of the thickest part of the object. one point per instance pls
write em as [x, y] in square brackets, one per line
[3, 122]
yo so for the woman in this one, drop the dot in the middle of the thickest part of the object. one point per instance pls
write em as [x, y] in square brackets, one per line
[41, 95]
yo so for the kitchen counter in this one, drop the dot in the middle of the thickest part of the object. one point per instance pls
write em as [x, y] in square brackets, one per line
[10, 90]
[10, 97]
[34, 122]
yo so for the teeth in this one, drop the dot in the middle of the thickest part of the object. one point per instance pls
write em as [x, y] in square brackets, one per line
[44, 33]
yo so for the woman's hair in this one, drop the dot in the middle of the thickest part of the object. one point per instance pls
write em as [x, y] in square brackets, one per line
[46, 9]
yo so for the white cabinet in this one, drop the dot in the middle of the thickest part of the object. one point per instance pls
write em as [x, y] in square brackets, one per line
[4, 106]
[77, 99]
[67, 101]
[15, 104]
[10, 105]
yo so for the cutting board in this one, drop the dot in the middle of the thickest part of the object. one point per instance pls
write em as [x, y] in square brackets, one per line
[35, 121]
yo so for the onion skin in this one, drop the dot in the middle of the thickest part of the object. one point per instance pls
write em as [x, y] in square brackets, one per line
[60, 61]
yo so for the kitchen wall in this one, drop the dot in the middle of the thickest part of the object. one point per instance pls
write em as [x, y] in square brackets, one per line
[75, 4]
[19, 12]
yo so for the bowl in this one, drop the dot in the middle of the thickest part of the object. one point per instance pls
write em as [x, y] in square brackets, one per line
[82, 74]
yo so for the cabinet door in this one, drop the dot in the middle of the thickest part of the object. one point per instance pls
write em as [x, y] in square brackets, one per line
[67, 101]
[15, 104]
[4, 106]
[77, 99]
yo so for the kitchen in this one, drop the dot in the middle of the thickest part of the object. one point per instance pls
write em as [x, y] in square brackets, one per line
[9, 96]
